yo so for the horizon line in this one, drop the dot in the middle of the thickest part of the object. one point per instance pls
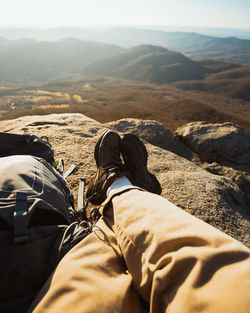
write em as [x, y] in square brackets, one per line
[46, 26]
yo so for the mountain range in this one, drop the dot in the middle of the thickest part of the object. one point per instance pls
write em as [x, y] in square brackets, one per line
[28, 59]
[192, 44]
[233, 82]
[147, 63]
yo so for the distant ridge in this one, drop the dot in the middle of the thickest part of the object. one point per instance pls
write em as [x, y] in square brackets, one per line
[4, 42]
[31, 60]
[147, 63]
[234, 82]
[192, 44]
[216, 66]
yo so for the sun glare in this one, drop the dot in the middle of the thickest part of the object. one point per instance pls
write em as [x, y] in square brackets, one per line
[143, 12]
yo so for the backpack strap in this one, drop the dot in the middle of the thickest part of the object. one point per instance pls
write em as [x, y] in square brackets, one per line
[69, 171]
[80, 202]
[20, 218]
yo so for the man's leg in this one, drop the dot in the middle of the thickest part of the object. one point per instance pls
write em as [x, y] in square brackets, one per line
[91, 278]
[178, 263]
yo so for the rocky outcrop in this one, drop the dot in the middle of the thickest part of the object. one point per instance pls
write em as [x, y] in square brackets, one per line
[224, 142]
[213, 198]
[224, 149]
[154, 133]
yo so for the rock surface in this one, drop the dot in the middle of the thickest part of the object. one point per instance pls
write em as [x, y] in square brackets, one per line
[225, 142]
[154, 133]
[223, 148]
[215, 199]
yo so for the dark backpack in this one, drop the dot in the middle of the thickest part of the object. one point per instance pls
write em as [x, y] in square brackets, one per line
[15, 144]
[37, 224]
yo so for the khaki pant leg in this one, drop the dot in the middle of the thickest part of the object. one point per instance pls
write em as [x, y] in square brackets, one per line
[178, 263]
[92, 277]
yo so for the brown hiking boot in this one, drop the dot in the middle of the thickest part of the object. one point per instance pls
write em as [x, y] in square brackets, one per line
[109, 166]
[136, 157]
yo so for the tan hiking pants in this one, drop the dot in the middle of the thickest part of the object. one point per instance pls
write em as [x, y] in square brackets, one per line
[145, 245]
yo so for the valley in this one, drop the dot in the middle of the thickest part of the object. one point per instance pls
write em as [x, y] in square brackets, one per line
[106, 99]
[127, 73]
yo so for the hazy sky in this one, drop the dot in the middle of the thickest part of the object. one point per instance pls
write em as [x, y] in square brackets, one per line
[214, 13]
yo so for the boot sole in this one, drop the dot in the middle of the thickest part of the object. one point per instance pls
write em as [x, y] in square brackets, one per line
[132, 140]
[96, 199]
[150, 183]
[99, 142]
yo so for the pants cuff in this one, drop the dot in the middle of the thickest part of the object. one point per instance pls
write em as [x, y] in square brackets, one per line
[108, 202]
